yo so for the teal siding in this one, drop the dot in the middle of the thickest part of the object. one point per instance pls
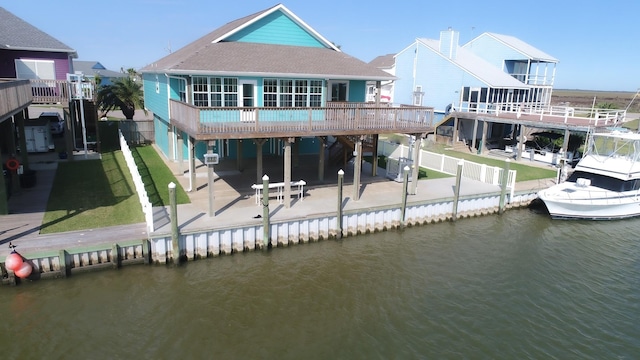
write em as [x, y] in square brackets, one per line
[155, 94]
[357, 91]
[276, 28]
[161, 135]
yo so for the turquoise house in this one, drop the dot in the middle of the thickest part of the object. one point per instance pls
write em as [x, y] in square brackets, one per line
[262, 83]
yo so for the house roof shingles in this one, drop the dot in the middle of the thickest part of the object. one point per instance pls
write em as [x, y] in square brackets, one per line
[211, 55]
[17, 34]
[477, 66]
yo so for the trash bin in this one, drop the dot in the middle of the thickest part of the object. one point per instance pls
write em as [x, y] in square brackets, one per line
[28, 179]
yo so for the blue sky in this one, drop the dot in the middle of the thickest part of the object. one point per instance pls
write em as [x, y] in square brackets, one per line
[596, 43]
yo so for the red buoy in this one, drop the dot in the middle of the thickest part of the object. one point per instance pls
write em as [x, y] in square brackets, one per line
[13, 261]
[24, 270]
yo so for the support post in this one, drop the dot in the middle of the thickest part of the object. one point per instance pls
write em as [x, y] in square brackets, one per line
[287, 172]
[239, 156]
[456, 194]
[483, 142]
[339, 215]
[405, 184]
[521, 139]
[321, 156]
[180, 152]
[265, 212]
[474, 135]
[173, 214]
[259, 161]
[374, 167]
[210, 182]
[357, 169]
[413, 189]
[565, 142]
[192, 164]
[503, 187]
[454, 138]
[62, 259]
[115, 256]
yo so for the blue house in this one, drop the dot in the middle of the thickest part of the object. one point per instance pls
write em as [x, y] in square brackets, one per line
[260, 84]
[489, 74]
[488, 70]
[94, 69]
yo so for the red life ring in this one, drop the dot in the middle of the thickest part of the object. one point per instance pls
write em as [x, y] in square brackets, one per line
[12, 164]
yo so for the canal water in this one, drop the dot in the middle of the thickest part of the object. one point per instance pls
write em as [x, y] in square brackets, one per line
[511, 286]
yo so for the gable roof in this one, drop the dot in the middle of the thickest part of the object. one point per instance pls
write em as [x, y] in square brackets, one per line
[525, 49]
[236, 26]
[93, 68]
[253, 59]
[476, 66]
[17, 34]
[212, 55]
[384, 61]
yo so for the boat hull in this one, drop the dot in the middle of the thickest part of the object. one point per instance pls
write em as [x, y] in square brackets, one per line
[591, 204]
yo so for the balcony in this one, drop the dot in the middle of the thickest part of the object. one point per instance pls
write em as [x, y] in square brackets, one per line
[49, 91]
[15, 95]
[334, 119]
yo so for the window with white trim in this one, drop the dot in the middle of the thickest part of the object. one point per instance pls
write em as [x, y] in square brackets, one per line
[270, 91]
[292, 93]
[35, 69]
[214, 91]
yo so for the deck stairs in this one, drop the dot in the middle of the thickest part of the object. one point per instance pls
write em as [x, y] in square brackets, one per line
[341, 150]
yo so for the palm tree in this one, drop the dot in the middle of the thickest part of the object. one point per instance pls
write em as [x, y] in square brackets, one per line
[125, 94]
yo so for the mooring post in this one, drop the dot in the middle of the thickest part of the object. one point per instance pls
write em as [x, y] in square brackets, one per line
[503, 189]
[405, 187]
[339, 215]
[265, 211]
[456, 194]
[173, 214]
[62, 259]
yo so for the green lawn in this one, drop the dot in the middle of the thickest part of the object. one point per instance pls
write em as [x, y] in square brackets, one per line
[525, 172]
[156, 176]
[99, 193]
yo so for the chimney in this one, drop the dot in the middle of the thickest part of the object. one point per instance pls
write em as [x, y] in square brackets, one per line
[449, 43]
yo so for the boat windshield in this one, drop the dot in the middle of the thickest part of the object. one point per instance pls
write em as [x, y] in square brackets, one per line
[608, 146]
[606, 182]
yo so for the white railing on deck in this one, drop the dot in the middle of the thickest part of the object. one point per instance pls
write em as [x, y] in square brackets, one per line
[143, 197]
[449, 165]
[588, 116]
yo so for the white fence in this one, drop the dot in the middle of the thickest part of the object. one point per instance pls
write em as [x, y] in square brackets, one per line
[147, 209]
[449, 165]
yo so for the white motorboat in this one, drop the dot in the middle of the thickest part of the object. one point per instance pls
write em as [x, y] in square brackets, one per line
[605, 183]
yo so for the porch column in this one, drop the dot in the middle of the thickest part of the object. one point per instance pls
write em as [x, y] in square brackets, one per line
[192, 163]
[287, 171]
[24, 158]
[321, 155]
[483, 143]
[454, 138]
[413, 188]
[210, 181]
[171, 135]
[378, 91]
[357, 169]
[69, 133]
[473, 135]
[180, 152]
[565, 143]
[259, 143]
[296, 153]
[521, 139]
[374, 168]
[239, 157]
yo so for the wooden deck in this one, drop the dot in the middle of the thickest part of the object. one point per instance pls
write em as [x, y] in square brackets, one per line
[336, 119]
